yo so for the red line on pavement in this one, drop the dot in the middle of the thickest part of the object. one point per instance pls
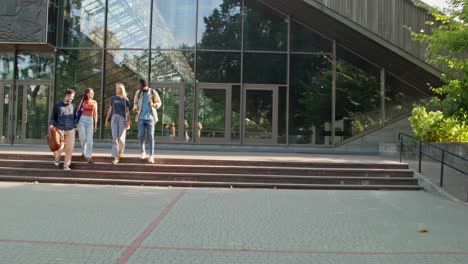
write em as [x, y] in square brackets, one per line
[60, 243]
[309, 252]
[133, 247]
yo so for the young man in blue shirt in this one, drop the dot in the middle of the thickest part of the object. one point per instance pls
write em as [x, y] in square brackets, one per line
[145, 103]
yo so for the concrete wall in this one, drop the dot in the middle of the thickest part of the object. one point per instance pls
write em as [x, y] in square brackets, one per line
[23, 21]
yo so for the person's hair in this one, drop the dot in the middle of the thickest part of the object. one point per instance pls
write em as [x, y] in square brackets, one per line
[69, 91]
[122, 88]
[85, 95]
[142, 82]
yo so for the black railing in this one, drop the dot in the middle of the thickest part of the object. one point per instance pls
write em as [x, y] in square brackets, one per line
[443, 157]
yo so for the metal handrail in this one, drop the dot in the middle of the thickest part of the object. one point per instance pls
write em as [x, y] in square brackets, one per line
[421, 154]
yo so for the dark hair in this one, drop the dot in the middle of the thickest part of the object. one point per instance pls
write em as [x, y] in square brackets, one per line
[85, 95]
[142, 82]
[69, 91]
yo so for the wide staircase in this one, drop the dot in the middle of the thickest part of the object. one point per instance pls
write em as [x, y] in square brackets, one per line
[192, 172]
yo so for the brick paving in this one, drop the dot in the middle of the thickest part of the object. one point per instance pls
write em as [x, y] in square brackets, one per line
[52, 223]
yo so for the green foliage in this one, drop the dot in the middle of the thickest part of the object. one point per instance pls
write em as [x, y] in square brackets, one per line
[434, 127]
[447, 47]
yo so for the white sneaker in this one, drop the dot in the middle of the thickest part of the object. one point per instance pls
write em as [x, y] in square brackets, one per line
[143, 155]
[56, 162]
[151, 159]
[66, 168]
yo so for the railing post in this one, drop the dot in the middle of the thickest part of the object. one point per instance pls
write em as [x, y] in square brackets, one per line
[420, 155]
[442, 169]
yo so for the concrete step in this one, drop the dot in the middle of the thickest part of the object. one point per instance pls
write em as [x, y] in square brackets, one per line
[219, 169]
[204, 184]
[206, 177]
[218, 162]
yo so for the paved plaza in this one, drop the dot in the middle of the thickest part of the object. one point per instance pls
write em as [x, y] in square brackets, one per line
[53, 223]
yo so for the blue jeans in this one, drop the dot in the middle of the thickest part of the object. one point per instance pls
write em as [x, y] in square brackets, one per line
[85, 133]
[118, 124]
[148, 127]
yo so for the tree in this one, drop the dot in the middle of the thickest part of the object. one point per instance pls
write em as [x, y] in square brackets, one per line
[447, 47]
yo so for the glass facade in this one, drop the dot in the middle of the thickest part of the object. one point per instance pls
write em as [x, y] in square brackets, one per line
[228, 72]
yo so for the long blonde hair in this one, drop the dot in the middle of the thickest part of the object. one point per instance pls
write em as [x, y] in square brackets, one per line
[122, 89]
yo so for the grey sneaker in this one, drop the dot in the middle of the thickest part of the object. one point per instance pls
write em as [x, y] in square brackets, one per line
[56, 162]
[66, 168]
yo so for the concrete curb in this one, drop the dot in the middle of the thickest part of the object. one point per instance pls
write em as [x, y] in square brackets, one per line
[435, 189]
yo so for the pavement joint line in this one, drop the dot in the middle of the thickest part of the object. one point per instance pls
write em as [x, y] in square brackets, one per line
[139, 240]
[243, 250]
[61, 243]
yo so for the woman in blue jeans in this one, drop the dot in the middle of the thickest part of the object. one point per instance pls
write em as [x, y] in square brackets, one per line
[118, 114]
[88, 123]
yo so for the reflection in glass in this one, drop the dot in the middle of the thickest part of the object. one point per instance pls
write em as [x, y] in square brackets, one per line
[304, 39]
[128, 23]
[7, 66]
[235, 114]
[222, 67]
[310, 100]
[174, 24]
[5, 104]
[126, 66]
[212, 113]
[265, 68]
[35, 66]
[399, 98]
[168, 125]
[83, 23]
[282, 114]
[264, 29]
[219, 24]
[172, 66]
[37, 110]
[259, 114]
[357, 95]
[52, 23]
[79, 69]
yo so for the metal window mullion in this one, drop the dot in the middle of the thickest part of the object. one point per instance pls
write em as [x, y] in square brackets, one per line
[288, 76]
[242, 93]
[103, 72]
[333, 94]
[150, 41]
[382, 96]
[195, 92]
[227, 124]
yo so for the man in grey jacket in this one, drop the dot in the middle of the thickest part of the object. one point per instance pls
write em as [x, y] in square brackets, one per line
[145, 103]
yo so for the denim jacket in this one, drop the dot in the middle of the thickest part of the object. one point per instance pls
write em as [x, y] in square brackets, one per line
[63, 116]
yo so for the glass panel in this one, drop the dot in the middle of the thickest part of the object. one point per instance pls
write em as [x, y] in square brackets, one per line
[188, 113]
[52, 23]
[399, 98]
[126, 66]
[212, 113]
[219, 24]
[174, 24]
[310, 100]
[37, 111]
[306, 40]
[223, 67]
[357, 95]
[35, 66]
[79, 69]
[168, 126]
[128, 23]
[259, 114]
[5, 104]
[172, 66]
[235, 114]
[282, 114]
[7, 66]
[265, 68]
[83, 24]
[19, 113]
[265, 29]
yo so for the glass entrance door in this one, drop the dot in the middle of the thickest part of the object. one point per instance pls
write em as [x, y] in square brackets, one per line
[5, 117]
[214, 113]
[260, 113]
[33, 109]
[175, 117]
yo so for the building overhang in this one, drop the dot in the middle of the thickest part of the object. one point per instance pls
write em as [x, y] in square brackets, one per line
[360, 40]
